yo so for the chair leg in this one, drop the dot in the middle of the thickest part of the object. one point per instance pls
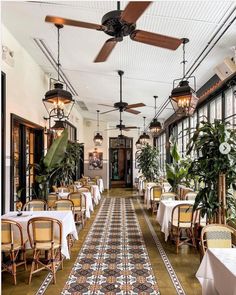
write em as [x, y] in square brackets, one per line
[32, 265]
[24, 257]
[193, 237]
[61, 259]
[177, 241]
[82, 214]
[53, 265]
[13, 265]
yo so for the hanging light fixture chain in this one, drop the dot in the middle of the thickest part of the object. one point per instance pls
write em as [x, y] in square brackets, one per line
[98, 120]
[58, 52]
[184, 41]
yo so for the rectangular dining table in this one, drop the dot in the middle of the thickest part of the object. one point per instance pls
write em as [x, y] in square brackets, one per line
[65, 217]
[164, 213]
[217, 272]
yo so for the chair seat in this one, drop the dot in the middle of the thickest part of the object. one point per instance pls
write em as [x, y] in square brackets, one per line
[16, 246]
[79, 209]
[47, 245]
[156, 199]
[181, 224]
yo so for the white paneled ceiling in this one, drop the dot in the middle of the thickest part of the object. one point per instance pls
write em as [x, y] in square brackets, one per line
[148, 70]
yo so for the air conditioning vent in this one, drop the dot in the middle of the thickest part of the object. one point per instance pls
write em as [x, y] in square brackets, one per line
[225, 69]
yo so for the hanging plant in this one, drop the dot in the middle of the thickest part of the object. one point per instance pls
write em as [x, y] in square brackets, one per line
[148, 162]
[215, 144]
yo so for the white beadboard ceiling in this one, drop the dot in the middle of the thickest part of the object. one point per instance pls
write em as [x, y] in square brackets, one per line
[148, 70]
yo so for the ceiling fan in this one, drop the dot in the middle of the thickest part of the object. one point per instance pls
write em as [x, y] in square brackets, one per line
[121, 105]
[118, 24]
[121, 126]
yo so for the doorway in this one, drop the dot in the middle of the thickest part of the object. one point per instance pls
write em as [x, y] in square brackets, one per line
[121, 162]
[26, 148]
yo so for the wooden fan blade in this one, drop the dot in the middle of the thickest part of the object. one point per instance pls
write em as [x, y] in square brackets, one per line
[111, 129]
[134, 10]
[156, 39]
[106, 50]
[136, 105]
[132, 111]
[108, 111]
[131, 127]
[75, 23]
[105, 105]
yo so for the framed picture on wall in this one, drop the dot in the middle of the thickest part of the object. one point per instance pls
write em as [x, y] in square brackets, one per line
[95, 161]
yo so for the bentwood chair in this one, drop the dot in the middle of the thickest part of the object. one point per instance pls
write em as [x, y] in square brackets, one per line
[72, 188]
[51, 199]
[217, 236]
[84, 189]
[191, 196]
[35, 205]
[168, 196]
[63, 189]
[12, 243]
[181, 222]
[45, 234]
[65, 205]
[54, 189]
[155, 192]
[166, 187]
[79, 202]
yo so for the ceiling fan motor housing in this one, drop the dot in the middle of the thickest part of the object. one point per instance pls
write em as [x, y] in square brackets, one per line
[121, 105]
[115, 26]
[120, 126]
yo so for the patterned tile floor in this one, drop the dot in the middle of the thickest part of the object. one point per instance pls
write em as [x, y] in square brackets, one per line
[113, 259]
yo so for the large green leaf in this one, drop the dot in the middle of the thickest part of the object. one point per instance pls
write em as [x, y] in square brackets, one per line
[56, 151]
[174, 152]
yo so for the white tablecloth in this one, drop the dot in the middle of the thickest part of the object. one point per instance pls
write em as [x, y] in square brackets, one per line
[164, 214]
[89, 203]
[140, 186]
[100, 185]
[217, 272]
[65, 217]
[95, 193]
[63, 195]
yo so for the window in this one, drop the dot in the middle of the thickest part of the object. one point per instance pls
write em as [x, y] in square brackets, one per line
[215, 109]
[180, 137]
[161, 145]
[230, 106]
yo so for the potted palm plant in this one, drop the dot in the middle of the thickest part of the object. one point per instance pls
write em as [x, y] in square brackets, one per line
[215, 144]
[66, 171]
[177, 171]
[148, 162]
[50, 163]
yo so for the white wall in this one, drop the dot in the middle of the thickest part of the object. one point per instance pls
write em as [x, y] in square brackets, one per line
[26, 85]
[90, 128]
